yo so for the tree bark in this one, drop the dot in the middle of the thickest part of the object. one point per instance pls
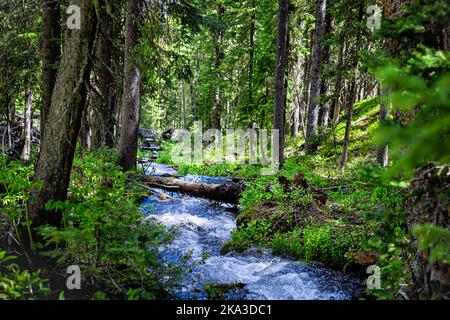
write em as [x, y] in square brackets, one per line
[64, 119]
[336, 105]
[324, 109]
[316, 70]
[29, 98]
[95, 111]
[105, 79]
[348, 125]
[51, 54]
[131, 90]
[297, 96]
[383, 151]
[393, 9]
[305, 96]
[251, 56]
[183, 104]
[85, 135]
[217, 111]
[353, 92]
[9, 123]
[279, 114]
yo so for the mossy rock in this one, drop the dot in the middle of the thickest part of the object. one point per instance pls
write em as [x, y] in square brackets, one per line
[220, 291]
[227, 247]
[258, 211]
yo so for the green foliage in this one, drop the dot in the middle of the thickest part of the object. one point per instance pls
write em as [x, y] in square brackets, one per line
[414, 25]
[165, 155]
[328, 243]
[267, 187]
[164, 159]
[104, 231]
[371, 211]
[256, 233]
[221, 170]
[436, 240]
[289, 244]
[16, 284]
[426, 137]
[19, 47]
[208, 165]
[387, 236]
[257, 191]
[15, 187]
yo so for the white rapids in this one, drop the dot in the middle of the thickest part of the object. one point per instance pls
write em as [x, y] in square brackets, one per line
[202, 228]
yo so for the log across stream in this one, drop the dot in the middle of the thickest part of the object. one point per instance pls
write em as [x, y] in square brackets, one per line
[226, 192]
[203, 226]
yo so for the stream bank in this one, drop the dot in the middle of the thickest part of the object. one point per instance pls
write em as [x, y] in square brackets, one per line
[203, 226]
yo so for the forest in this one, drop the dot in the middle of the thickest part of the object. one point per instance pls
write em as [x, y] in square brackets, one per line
[224, 150]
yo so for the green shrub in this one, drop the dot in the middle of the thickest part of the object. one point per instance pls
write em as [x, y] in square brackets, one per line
[257, 191]
[256, 233]
[328, 243]
[387, 236]
[15, 186]
[290, 244]
[104, 231]
[16, 284]
[436, 239]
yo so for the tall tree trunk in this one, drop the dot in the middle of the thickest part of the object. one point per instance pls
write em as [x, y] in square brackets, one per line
[279, 114]
[194, 87]
[305, 96]
[192, 100]
[64, 119]
[383, 151]
[12, 113]
[297, 96]
[353, 94]
[95, 112]
[324, 109]
[217, 111]
[51, 54]
[106, 77]
[116, 91]
[27, 116]
[313, 110]
[251, 57]
[336, 105]
[300, 75]
[348, 126]
[85, 135]
[183, 103]
[8, 123]
[131, 90]
[96, 125]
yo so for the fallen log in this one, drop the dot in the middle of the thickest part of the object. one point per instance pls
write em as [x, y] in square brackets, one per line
[228, 192]
[162, 196]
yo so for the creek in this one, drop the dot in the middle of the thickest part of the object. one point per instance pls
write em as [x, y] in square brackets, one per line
[202, 226]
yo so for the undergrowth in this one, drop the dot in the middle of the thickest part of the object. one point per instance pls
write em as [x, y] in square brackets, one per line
[103, 231]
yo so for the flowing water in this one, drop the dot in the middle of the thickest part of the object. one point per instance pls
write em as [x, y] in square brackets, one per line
[202, 228]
